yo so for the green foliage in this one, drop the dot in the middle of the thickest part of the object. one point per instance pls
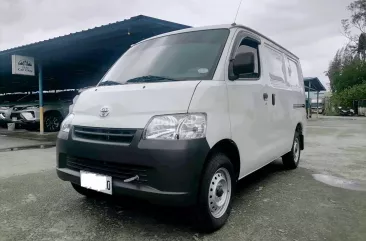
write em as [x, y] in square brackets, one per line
[351, 74]
[335, 68]
[347, 70]
[348, 67]
[346, 97]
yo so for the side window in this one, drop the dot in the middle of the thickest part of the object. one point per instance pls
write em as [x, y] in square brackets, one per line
[294, 78]
[276, 67]
[247, 46]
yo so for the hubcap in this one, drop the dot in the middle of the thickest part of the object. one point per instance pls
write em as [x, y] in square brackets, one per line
[296, 150]
[219, 192]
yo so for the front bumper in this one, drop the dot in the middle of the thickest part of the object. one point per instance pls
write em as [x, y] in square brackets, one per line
[5, 116]
[314, 110]
[173, 168]
[25, 116]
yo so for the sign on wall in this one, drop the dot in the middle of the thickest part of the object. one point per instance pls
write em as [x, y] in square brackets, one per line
[22, 65]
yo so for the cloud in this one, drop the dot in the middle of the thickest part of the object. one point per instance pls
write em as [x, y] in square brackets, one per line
[310, 29]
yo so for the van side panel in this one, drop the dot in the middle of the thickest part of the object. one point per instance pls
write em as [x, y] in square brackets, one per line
[248, 109]
[285, 78]
[211, 97]
[297, 97]
[300, 99]
[280, 105]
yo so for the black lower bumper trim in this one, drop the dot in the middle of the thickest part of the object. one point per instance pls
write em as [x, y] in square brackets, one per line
[139, 191]
[171, 169]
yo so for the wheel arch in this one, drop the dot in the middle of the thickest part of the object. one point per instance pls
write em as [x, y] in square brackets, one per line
[230, 149]
[47, 112]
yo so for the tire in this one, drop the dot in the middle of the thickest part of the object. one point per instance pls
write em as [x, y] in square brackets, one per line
[85, 192]
[291, 159]
[218, 172]
[52, 121]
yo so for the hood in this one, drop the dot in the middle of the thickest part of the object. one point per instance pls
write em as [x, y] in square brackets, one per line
[5, 106]
[132, 105]
[8, 104]
[33, 103]
[23, 105]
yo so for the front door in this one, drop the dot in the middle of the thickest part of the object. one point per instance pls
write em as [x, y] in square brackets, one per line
[249, 102]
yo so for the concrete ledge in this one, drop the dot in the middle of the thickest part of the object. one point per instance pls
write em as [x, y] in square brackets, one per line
[29, 135]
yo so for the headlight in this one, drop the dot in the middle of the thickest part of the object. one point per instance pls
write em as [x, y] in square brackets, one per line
[66, 124]
[176, 127]
[4, 108]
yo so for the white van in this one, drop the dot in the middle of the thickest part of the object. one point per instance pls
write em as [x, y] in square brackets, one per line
[181, 117]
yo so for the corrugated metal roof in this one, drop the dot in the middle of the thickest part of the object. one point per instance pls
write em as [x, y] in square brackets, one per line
[79, 59]
[315, 84]
[110, 25]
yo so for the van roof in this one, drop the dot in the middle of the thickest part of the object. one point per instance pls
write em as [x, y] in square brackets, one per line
[223, 26]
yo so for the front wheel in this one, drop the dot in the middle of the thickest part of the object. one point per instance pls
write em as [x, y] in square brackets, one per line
[291, 159]
[216, 192]
[52, 121]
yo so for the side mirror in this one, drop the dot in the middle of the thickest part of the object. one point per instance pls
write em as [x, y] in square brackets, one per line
[244, 64]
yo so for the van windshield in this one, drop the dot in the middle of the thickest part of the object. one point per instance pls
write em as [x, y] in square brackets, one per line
[185, 56]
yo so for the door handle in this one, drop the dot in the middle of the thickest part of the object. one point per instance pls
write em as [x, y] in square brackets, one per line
[273, 99]
[265, 96]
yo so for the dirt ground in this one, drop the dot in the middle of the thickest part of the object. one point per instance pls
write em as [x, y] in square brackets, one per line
[324, 199]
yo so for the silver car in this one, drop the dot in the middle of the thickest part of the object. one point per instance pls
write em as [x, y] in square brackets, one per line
[6, 106]
[56, 108]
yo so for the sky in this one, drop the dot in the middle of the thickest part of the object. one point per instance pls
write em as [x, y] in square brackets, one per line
[311, 29]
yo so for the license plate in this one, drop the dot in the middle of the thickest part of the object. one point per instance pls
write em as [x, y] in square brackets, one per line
[96, 182]
[14, 119]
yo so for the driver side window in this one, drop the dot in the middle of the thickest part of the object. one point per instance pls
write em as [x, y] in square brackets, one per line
[249, 46]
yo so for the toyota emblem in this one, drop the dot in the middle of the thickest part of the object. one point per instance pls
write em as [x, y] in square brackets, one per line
[104, 111]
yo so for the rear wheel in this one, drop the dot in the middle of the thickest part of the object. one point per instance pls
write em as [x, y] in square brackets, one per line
[215, 197]
[291, 159]
[52, 121]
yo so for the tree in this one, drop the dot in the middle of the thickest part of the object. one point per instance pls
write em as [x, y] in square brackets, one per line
[347, 70]
[346, 97]
[335, 68]
[361, 49]
[350, 75]
[356, 24]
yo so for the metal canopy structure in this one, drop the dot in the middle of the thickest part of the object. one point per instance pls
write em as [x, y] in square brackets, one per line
[313, 84]
[79, 59]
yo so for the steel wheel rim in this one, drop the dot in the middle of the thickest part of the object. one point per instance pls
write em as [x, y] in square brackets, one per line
[219, 193]
[296, 150]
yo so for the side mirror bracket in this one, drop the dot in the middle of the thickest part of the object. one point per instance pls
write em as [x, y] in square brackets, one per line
[232, 76]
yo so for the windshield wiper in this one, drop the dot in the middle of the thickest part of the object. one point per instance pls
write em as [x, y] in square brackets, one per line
[150, 79]
[109, 83]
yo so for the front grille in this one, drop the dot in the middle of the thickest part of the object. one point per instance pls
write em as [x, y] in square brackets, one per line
[124, 136]
[115, 170]
[19, 108]
[16, 115]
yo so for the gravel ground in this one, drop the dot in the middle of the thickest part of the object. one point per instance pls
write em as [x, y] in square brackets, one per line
[271, 204]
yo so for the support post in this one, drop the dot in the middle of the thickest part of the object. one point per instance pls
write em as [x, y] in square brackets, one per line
[40, 86]
[317, 104]
[309, 103]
